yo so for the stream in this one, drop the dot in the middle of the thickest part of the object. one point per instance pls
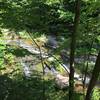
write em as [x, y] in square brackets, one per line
[27, 65]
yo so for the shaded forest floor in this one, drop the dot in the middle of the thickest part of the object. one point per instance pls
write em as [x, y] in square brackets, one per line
[31, 89]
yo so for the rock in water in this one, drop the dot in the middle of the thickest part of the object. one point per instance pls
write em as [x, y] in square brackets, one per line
[61, 81]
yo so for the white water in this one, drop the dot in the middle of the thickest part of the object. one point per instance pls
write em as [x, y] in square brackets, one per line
[26, 69]
[76, 76]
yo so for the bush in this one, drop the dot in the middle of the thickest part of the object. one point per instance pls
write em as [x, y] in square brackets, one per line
[96, 94]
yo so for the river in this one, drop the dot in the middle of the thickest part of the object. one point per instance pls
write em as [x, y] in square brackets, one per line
[32, 49]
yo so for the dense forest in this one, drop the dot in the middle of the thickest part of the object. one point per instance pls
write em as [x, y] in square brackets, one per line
[49, 49]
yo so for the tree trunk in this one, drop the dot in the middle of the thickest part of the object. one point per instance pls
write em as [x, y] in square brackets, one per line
[72, 52]
[95, 75]
[88, 58]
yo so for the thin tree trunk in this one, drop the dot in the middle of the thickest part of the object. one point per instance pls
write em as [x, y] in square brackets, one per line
[72, 52]
[95, 75]
[87, 64]
[42, 63]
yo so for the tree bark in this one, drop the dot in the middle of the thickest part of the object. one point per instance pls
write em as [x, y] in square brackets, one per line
[87, 64]
[95, 75]
[73, 46]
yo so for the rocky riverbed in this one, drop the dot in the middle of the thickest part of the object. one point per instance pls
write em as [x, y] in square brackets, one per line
[29, 64]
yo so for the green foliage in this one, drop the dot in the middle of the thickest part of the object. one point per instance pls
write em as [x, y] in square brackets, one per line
[2, 53]
[96, 94]
[49, 17]
[42, 15]
[5, 56]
